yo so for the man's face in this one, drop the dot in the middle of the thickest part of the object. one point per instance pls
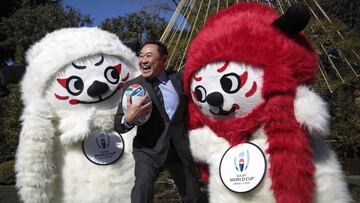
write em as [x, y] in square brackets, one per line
[151, 62]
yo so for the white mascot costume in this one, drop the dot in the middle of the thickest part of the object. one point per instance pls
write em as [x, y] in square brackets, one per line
[68, 150]
[255, 126]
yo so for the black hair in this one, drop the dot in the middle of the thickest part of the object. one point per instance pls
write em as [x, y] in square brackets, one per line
[161, 46]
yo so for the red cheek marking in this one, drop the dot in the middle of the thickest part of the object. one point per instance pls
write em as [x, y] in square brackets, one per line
[62, 82]
[118, 68]
[74, 101]
[194, 95]
[61, 97]
[125, 78]
[252, 90]
[220, 70]
[243, 79]
[120, 85]
[197, 79]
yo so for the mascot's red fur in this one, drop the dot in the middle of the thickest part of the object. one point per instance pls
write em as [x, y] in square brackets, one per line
[254, 34]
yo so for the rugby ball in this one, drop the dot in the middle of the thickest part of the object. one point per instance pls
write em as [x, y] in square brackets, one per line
[137, 92]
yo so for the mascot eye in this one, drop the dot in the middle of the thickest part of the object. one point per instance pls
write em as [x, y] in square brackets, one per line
[111, 75]
[74, 85]
[230, 83]
[200, 93]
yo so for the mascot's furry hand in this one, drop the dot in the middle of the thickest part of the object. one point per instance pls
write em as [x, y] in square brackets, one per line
[249, 83]
[71, 90]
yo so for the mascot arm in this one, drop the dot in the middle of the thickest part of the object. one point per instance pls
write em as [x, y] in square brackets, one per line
[198, 147]
[205, 147]
[311, 112]
[200, 143]
[205, 144]
[34, 160]
[76, 133]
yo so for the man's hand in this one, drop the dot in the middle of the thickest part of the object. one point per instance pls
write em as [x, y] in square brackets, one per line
[137, 111]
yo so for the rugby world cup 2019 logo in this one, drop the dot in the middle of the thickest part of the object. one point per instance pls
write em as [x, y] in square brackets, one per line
[103, 141]
[135, 90]
[242, 160]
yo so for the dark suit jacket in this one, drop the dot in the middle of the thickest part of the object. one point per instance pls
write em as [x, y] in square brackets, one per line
[151, 142]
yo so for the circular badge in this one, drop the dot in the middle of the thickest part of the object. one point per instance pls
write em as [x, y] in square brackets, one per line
[103, 148]
[242, 167]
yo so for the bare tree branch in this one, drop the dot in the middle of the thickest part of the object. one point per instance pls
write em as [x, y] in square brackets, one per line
[175, 2]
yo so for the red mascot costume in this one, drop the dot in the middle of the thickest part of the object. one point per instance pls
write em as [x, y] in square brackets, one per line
[247, 75]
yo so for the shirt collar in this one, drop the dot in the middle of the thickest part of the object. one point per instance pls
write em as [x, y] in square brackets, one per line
[162, 77]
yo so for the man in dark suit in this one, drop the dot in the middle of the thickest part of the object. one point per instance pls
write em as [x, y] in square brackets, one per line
[162, 140]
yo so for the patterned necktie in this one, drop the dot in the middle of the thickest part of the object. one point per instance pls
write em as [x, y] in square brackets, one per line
[155, 84]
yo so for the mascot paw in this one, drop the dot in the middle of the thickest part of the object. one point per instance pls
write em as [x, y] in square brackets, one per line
[76, 127]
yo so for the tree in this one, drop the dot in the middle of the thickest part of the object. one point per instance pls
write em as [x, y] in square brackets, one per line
[346, 11]
[140, 25]
[343, 101]
[27, 23]
[344, 106]
[6, 9]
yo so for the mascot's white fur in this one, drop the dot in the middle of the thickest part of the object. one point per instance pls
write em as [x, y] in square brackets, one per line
[70, 92]
[249, 83]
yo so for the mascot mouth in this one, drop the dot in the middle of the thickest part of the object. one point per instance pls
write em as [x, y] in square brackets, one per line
[222, 112]
[76, 101]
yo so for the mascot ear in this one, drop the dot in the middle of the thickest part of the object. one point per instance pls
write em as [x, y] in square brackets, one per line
[294, 20]
[133, 44]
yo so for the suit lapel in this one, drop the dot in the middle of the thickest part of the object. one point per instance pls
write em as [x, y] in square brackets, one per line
[148, 87]
[177, 83]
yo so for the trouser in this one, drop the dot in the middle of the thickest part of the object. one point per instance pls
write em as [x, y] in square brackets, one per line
[146, 174]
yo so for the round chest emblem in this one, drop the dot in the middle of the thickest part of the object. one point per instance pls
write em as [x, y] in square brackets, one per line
[103, 148]
[242, 167]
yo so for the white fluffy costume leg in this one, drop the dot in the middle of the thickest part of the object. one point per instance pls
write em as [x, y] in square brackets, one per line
[70, 91]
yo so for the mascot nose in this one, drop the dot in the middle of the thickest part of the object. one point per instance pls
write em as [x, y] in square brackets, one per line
[97, 89]
[215, 99]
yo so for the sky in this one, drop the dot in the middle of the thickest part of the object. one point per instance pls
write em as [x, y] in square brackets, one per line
[101, 9]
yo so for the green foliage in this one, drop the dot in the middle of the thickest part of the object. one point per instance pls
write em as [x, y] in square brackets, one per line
[354, 186]
[140, 25]
[29, 24]
[7, 175]
[10, 110]
[346, 11]
[339, 55]
[8, 7]
[22, 28]
[344, 107]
